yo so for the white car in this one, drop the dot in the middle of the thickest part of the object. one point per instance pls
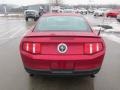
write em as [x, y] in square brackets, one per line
[91, 10]
[54, 9]
[61, 10]
[118, 17]
[100, 12]
[82, 11]
[68, 11]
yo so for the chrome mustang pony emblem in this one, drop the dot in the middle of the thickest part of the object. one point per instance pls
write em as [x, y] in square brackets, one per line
[62, 48]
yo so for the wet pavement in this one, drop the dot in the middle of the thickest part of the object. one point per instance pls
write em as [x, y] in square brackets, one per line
[14, 77]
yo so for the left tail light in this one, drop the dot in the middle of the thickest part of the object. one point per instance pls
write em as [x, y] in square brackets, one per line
[31, 47]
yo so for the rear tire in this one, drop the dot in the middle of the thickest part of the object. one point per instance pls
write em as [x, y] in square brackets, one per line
[118, 20]
[92, 76]
[31, 75]
[35, 19]
[108, 16]
[81, 12]
[26, 19]
[95, 15]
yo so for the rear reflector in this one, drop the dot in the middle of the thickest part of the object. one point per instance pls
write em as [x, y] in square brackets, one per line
[32, 47]
[91, 48]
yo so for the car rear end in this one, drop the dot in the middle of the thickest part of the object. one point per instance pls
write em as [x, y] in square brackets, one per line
[62, 52]
[31, 14]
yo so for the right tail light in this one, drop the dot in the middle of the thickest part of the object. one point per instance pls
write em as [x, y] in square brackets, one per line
[91, 48]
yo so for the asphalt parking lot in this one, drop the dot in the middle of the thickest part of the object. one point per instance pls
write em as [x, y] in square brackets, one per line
[14, 77]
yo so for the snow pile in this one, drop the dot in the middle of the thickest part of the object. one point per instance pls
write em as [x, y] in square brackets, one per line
[116, 27]
[112, 27]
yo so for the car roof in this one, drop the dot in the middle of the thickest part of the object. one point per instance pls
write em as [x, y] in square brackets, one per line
[62, 14]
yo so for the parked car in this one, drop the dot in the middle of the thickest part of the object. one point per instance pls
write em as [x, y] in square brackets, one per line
[91, 10]
[82, 11]
[100, 12]
[33, 14]
[68, 10]
[54, 9]
[118, 17]
[113, 13]
[62, 44]
[61, 10]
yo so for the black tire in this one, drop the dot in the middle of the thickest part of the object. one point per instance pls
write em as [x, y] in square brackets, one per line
[31, 75]
[118, 20]
[35, 19]
[95, 15]
[92, 76]
[26, 19]
[108, 16]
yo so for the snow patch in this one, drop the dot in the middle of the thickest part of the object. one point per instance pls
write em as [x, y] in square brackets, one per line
[111, 37]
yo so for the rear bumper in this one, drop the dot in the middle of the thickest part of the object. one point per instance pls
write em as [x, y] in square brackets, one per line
[32, 16]
[74, 62]
[63, 72]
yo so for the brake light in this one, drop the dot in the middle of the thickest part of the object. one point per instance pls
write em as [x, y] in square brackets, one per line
[30, 47]
[91, 48]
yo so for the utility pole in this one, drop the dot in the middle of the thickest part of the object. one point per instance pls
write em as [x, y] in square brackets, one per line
[5, 10]
[56, 2]
[90, 3]
[4, 7]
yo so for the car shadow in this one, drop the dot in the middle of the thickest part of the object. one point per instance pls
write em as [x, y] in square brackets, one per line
[61, 83]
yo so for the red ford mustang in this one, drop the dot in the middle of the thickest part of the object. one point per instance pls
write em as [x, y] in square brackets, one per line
[62, 44]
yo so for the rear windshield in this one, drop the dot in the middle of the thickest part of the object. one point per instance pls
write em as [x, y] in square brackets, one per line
[62, 23]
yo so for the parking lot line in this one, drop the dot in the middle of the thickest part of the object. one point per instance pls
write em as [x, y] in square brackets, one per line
[14, 34]
[5, 33]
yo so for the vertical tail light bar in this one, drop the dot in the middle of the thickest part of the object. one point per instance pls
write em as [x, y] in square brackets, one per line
[33, 48]
[91, 48]
[97, 47]
[27, 47]
[36, 48]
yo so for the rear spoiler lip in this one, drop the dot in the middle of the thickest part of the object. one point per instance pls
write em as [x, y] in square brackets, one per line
[62, 36]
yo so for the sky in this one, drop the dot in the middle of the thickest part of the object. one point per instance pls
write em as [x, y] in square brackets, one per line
[70, 2]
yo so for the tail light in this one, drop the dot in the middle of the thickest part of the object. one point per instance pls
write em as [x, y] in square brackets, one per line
[33, 48]
[91, 48]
